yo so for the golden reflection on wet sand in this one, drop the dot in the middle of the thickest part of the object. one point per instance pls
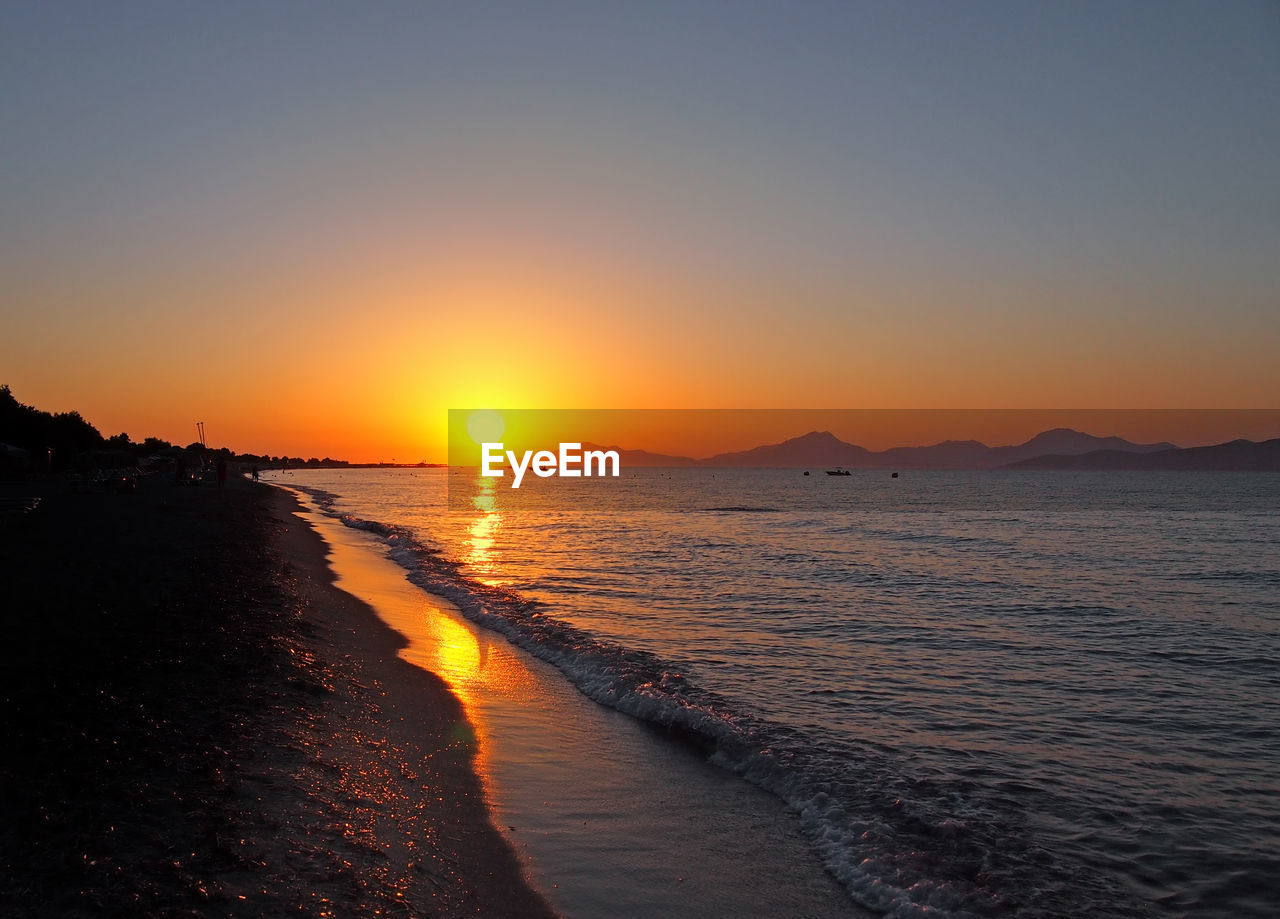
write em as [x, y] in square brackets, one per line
[439, 640]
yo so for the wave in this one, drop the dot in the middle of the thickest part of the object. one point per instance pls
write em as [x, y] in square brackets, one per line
[1264, 578]
[742, 509]
[902, 845]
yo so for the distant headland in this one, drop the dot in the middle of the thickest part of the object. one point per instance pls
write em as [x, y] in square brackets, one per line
[1060, 448]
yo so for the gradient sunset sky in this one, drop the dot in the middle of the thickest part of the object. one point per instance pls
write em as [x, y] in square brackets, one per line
[318, 226]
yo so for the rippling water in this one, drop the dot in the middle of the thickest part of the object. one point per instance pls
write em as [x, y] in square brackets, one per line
[985, 693]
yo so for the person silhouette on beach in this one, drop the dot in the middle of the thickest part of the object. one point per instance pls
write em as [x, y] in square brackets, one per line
[222, 471]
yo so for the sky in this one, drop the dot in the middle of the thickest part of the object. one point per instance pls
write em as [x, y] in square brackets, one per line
[316, 227]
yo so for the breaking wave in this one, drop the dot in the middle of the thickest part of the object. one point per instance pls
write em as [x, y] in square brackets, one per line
[902, 844]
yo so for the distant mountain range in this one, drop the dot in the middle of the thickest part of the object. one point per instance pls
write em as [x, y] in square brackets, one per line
[1235, 456]
[1060, 448]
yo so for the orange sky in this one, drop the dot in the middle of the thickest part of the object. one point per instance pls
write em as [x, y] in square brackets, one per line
[319, 245]
[313, 378]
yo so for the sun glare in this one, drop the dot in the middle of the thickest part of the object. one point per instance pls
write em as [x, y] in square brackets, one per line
[485, 427]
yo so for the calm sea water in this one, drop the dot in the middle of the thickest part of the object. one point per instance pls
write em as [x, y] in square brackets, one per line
[1033, 694]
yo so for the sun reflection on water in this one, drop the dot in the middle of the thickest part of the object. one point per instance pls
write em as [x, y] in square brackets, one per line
[482, 534]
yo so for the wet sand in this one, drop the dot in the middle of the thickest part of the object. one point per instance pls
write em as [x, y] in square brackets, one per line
[613, 816]
[197, 722]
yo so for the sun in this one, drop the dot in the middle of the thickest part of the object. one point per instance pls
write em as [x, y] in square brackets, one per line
[485, 426]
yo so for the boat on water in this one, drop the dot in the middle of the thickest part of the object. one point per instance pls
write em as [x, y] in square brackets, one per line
[839, 470]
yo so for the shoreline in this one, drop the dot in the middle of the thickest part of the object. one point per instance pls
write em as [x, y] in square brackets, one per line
[199, 722]
[612, 815]
[432, 797]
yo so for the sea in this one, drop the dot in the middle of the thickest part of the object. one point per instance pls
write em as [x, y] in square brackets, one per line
[1003, 693]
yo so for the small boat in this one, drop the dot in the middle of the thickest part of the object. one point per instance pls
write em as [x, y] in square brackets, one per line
[839, 470]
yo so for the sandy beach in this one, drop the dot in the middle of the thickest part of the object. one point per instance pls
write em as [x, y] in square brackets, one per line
[198, 722]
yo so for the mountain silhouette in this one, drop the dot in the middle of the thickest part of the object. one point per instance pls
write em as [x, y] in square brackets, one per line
[644, 457]
[1234, 456]
[818, 449]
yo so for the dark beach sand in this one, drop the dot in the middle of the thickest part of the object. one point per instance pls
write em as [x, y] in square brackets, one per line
[195, 722]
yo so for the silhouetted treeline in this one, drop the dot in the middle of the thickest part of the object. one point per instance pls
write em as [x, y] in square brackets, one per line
[39, 441]
[52, 440]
